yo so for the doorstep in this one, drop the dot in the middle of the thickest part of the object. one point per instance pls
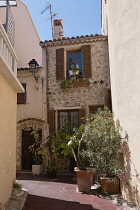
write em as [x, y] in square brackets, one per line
[17, 199]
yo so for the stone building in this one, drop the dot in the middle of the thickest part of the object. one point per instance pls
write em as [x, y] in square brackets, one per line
[121, 22]
[92, 87]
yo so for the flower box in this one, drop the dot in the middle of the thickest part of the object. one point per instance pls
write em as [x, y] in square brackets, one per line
[80, 84]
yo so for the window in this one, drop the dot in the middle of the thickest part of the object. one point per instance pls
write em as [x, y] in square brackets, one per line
[68, 116]
[21, 97]
[75, 118]
[74, 60]
[77, 58]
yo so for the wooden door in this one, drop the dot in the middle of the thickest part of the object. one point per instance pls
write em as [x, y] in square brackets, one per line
[27, 156]
[27, 140]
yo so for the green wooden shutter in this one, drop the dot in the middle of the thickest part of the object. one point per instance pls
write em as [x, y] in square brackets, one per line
[21, 97]
[51, 121]
[60, 64]
[86, 61]
[82, 114]
[107, 98]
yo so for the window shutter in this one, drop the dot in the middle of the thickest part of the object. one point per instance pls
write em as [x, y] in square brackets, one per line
[60, 64]
[107, 98]
[21, 97]
[82, 114]
[51, 121]
[86, 57]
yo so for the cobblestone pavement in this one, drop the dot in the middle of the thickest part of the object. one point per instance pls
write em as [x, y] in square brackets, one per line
[60, 194]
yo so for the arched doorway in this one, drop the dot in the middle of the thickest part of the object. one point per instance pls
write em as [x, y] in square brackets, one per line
[27, 140]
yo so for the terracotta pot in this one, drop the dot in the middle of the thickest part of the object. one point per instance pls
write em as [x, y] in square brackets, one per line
[110, 185]
[84, 179]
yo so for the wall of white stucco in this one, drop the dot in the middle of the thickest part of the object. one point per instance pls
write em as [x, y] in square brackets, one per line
[121, 21]
[26, 37]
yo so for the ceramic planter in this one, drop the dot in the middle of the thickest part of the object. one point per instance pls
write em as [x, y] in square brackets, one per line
[84, 179]
[71, 72]
[36, 169]
[110, 185]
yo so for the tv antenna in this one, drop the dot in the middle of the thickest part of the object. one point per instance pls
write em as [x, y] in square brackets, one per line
[52, 15]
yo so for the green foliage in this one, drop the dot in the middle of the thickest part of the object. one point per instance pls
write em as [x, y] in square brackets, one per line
[37, 159]
[65, 84]
[102, 138]
[96, 144]
[74, 145]
[17, 185]
[37, 148]
[56, 143]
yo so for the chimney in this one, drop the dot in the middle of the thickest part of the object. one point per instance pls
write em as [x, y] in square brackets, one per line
[57, 29]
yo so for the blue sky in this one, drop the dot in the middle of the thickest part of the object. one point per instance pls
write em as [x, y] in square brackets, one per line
[80, 17]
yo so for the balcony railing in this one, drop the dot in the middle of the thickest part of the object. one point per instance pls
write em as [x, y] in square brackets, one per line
[7, 53]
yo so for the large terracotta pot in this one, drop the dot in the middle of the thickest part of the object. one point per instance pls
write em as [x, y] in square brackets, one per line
[84, 179]
[110, 185]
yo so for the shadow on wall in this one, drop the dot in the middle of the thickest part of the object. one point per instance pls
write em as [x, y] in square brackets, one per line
[131, 192]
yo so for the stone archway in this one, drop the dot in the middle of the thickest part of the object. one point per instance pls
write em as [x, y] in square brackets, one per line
[27, 125]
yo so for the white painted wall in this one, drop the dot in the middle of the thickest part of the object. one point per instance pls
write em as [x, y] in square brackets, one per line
[121, 21]
[26, 37]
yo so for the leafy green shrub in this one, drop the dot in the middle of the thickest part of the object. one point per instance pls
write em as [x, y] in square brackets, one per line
[96, 144]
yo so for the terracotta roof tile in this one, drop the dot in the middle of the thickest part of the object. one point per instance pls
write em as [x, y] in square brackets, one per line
[65, 40]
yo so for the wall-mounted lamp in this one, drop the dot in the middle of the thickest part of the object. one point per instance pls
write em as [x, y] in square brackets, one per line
[33, 68]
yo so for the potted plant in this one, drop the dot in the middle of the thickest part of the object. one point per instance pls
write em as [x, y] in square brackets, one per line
[37, 149]
[96, 145]
[37, 165]
[84, 171]
[74, 72]
[102, 137]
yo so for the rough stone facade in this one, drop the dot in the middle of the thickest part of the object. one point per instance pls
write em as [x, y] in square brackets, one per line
[80, 97]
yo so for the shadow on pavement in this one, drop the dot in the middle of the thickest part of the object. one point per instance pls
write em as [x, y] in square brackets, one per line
[44, 177]
[41, 203]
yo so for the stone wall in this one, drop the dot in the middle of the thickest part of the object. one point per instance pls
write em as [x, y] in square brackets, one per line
[26, 125]
[81, 96]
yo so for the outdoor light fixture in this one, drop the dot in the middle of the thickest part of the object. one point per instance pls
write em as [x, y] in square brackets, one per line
[33, 68]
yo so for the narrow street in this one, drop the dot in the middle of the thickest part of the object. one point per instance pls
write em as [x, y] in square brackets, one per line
[60, 194]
